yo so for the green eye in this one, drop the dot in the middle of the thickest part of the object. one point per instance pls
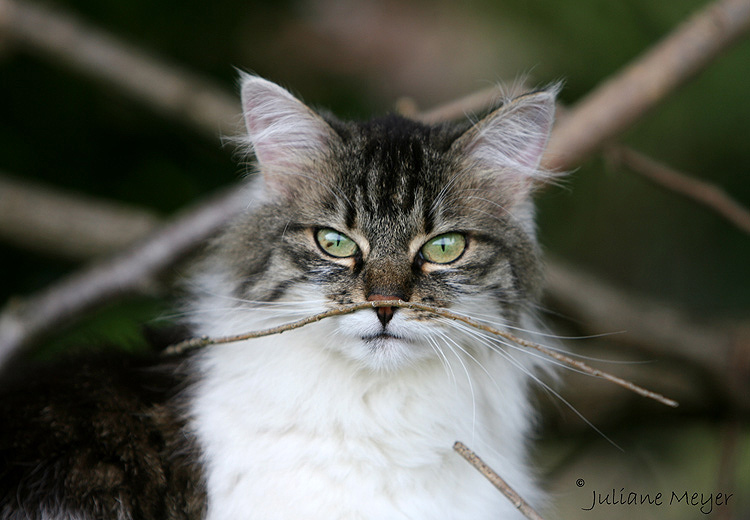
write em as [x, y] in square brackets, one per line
[335, 243]
[444, 249]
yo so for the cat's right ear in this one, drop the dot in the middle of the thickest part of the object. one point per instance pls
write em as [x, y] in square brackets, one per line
[284, 134]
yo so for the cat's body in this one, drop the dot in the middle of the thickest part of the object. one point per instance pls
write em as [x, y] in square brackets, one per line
[96, 438]
[355, 416]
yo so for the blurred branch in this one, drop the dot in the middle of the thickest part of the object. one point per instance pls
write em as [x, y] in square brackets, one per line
[602, 115]
[721, 350]
[62, 38]
[459, 108]
[625, 97]
[134, 270]
[65, 224]
[702, 192]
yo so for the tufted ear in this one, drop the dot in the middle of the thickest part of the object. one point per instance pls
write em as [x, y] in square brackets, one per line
[509, 143]
[284, 134]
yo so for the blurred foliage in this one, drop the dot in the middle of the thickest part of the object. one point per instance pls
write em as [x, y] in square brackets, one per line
[135, 325]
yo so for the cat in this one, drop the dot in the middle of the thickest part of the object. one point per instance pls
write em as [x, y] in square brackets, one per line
[352, 417]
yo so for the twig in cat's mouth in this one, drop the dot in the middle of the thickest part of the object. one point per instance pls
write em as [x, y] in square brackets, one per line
[347, 309]
[516, 499]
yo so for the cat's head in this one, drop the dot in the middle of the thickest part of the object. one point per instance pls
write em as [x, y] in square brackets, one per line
[390, 209]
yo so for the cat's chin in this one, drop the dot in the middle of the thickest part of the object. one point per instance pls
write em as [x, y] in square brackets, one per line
[387, 352]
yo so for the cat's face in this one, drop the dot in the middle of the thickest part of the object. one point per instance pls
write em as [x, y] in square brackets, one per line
[391, 209]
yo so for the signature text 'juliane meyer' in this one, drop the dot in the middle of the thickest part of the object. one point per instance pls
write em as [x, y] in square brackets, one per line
[704, 502]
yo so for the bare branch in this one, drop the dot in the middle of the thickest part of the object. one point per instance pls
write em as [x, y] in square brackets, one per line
[602, 115]
[659, 329]
[126, 273]
[460, 108]
[65, 224]
[624, 98]
[516, 499]
[702, 192]
[62, 38]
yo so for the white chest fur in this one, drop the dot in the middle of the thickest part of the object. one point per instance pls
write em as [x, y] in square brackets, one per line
[290, 429]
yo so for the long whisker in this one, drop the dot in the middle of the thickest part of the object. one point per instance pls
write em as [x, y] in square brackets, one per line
[443, 359]
[484, 318]
[547, 388]
[467, 353]
[493, 342]
[468, 380]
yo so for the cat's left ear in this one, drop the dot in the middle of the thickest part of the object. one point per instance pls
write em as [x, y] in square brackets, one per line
[508, 144]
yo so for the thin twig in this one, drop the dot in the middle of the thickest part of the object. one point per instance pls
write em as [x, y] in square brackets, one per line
[516, 499]
[347, 309]
[205, 341]
[702, 192]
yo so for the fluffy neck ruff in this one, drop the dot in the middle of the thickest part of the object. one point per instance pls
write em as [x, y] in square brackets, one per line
[290, 428]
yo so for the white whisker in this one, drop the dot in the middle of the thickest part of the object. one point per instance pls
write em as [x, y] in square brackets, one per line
[495, 343]
[443, 359]
[468, 380]
[492, 321]
[558, 396]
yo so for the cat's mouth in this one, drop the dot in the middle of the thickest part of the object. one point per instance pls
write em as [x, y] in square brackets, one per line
[382, 336]
[385, 340]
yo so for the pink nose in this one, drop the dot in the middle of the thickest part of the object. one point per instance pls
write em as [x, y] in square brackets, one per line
[384, 313]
